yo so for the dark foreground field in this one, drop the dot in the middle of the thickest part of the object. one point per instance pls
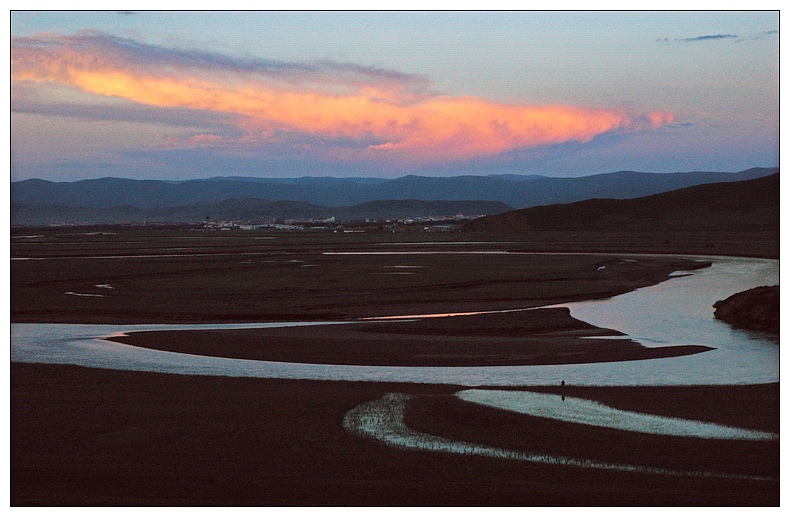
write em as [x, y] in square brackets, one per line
[97, 437]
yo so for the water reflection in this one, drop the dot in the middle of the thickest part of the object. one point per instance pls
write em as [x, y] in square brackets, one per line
[589, 412]
[382, 420]
[676, 312]
[679, 310]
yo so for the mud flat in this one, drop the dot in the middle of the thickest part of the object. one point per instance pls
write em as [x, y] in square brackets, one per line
[98, 437]
[531, 337]
[187, 277]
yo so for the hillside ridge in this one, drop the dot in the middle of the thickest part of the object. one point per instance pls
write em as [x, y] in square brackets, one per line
[512, 190]
[742, 206]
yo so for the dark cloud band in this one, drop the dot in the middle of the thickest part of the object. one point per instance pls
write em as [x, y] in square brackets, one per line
[144, 55]
[708, 37]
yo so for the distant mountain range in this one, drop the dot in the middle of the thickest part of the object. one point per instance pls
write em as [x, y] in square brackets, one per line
[745, 206]
[515, 191]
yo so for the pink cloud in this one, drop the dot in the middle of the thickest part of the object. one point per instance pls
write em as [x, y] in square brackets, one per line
[342, 102]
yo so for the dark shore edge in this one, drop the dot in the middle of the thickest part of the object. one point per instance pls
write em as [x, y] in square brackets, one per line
[347, 347]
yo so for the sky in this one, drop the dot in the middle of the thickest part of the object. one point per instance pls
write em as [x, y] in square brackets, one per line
[182, 95]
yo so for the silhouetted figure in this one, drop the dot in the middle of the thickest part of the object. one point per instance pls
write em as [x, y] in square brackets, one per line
[562, 384]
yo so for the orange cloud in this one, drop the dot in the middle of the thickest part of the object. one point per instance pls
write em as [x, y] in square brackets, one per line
[324, 101]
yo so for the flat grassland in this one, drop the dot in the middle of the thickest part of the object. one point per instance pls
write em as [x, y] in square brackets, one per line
[97, 437]
[149, 276]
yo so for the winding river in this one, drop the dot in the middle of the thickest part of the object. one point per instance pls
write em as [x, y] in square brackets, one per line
[677, 311]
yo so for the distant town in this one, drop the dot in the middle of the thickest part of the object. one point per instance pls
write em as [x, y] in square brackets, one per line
[428, 224]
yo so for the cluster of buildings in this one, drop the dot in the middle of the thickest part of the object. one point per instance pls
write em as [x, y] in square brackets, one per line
[429, 223]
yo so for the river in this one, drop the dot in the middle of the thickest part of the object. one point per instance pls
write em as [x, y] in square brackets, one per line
[675, 312]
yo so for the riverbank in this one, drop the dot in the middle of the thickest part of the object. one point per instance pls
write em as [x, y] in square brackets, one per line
[754, 309]
[84, 436]
[533, 337]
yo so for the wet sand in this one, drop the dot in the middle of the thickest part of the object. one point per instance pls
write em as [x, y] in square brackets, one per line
[84, 436]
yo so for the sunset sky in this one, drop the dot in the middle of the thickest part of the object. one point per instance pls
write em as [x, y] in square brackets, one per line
[180, 95]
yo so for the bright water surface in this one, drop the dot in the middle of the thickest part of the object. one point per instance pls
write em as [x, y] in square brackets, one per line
[383, 420]
[591, 412]
[676, 312]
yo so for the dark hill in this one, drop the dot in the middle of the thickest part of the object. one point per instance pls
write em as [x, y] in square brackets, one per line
[238, 210]
[754, 309]
[418, 208]
[720, 207]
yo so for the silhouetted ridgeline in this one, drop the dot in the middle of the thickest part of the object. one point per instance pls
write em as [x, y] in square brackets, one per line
[512, 190]
[719, 207]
